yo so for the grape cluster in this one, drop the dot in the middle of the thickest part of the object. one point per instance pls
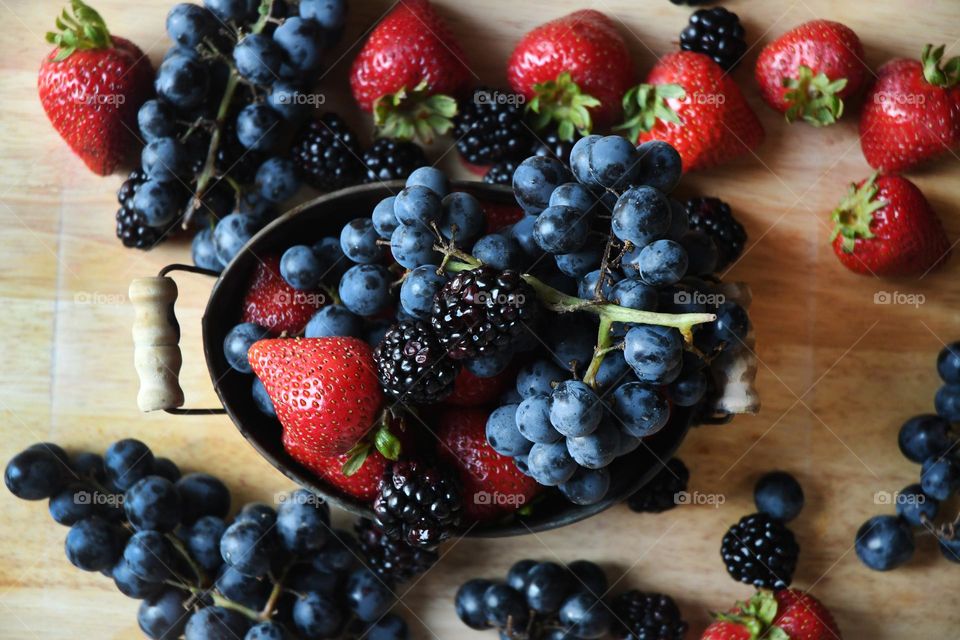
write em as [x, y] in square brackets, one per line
[164, 538]
[229, 92]
[887, 541]
[548, 601]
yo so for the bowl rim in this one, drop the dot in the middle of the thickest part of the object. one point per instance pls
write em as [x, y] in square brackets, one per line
[666, 442]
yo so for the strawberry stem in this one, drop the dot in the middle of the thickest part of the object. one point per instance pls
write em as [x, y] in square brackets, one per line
[854, 215]
[562, 102]
[815, 98]
[946, 76]
[646, 104]
[83, 31]
[406, 115]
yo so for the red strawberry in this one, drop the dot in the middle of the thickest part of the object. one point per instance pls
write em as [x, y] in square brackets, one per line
[692, 103]
[274, 304]
[574, 69]
[886, 227]
[492, 484]
[808, 71]
[785, 615]
[912, 112]
[471, 391]
[325, 390]
[92, 86]
[500, 215]
[407, 71]
[363, 484]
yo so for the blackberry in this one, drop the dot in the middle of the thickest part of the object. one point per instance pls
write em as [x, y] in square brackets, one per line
[647, 616]
[692, 3]
[492, 129]
[659, 494]
[328, 154]
[717, 33]
[713, 217]
[501, 173]
[412, 366]
[482, 311]
[132, 229]
[550, 144]
[418, 505]
[390, 159]
[760, 551]
[393, 561]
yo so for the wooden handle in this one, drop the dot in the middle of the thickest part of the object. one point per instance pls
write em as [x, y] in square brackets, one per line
[156, 343]
[735, 369]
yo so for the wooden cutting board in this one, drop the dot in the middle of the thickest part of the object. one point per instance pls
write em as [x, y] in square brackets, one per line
[838, 375]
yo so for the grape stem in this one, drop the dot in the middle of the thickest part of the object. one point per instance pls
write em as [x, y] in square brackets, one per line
[198, 572]
[603, 348]
[209, 165]
[275, 593]
[220, 600]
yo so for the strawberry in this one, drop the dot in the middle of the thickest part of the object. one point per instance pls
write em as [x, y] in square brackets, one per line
[492, 484]
[573, 70]
[325, 391]
[912, 112]
[690, 102]
[500, 215]
[91, 87]
[363, 484]
[274, 304]
[407, 71]
[809, 71]
[885, 227]
[471, 391]
[788, 614]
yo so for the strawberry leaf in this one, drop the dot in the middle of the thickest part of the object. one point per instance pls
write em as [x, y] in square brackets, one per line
[854, 215]
[814, 98]
[387, 443]
[406, 115]
[946, 76]
[84, 30]
[645, 104]
[562, 102]
[357, 456]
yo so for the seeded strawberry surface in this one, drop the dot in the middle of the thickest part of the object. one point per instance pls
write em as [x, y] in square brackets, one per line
[272, 303]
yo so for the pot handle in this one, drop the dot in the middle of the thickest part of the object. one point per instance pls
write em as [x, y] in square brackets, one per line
[156, 342]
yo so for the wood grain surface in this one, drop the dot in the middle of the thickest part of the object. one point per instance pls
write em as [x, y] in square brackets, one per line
[838, 372]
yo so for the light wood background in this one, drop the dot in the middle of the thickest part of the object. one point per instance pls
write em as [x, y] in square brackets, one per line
[838, 376]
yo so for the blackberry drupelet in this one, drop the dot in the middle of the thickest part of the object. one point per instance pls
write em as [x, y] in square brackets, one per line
[659, 494]
[714, 217]
[132, 229]
[393, 561]
[717, 33]
[327, 154]
[390, 159]
[760, 551]
[493, 129]
[550, 144]
[412, 365]
[647, 616]
[482, 311]
[501, 173]
[418, 505]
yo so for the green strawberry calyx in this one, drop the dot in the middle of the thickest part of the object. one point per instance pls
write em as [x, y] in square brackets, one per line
[564, 104]
[646, 104]
[381, 439]
[416, 113]
[947, 75]
[756, 615]
[854, 215]
[814, 97]
[84, 30]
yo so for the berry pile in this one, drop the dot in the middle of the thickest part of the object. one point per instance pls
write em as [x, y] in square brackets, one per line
[164, 538]
[717, 33]
[432, 292]
[227, 94]
[547, 601]
[760, 550]
[887, 541]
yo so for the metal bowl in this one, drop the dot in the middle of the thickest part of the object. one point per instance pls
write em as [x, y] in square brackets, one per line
[325, 216]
